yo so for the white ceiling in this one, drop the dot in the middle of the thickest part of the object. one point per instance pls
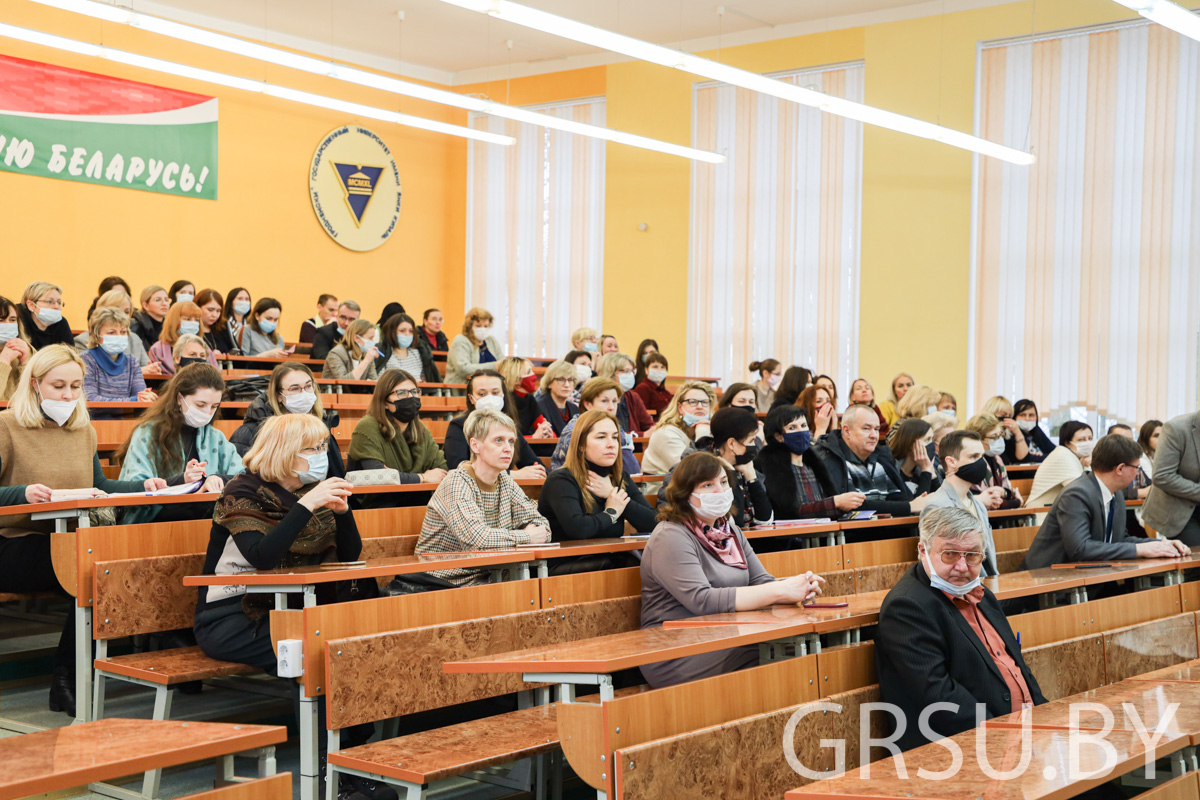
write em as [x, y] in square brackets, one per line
[453, 46]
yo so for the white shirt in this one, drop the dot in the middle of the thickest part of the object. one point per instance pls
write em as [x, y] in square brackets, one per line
[1105, 503]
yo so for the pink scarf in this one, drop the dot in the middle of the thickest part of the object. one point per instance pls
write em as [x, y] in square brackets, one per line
[721, 542]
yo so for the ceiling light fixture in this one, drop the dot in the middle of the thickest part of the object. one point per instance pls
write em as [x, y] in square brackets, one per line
[705, 68]
[285, 58]
[1168, 14]
[246, 84]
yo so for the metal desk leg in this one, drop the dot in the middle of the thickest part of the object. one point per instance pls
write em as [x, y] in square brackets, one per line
[83, 639]
[310, 596]
[309, 762]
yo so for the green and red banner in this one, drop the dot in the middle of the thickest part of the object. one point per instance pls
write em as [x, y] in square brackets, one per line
[79, 126]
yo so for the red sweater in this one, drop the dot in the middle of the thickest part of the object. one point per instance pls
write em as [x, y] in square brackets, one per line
[655, 397]
[639, 420]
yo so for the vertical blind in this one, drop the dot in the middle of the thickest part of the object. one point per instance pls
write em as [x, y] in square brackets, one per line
[535, 229]
[1087, 264]
[773, 267]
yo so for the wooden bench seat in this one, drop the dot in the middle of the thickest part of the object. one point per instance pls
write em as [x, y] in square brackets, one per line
[170, 667]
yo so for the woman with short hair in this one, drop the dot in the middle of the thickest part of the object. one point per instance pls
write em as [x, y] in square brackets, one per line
[474, 348]
[1064, 464]
[631, 413]
[1029, 432]
[110, 375]
[431, 330]
[554, 403]
[651, 388]
[147, 323]
[182, 291]
[116, 298]
[991, 432]
[41, 316]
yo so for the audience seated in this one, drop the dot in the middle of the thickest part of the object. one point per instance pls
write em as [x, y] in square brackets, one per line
[817, 402]
[176, 441]
[924, 654]
[1087, 520]
[182, 320]
[1173, 505]
[485, 390]
[592, 496]
[353, 358]
[328, 335]
[392, 436]
[190, 349]
[900, 386]
[698, 562]
[1000, 408]
[917, 402]
[554, 403]
[939, 424]
[48, 415]
[827, 383]
[237, 312]
[182, 291]
[863, 393]
[961, 454]
[110, 375]
[147, 323]
[431, 330]
[327, 308]
[586, 340]
[522, 384]
[107, 285]
[41, 316]
[745, 396]
[910, 443]
[608, 344]
[855, 460]
[947, 404]
[680, 425]
[478, 506]
[1037, 443]
[1063, 464]
[991, 433]
[401, 348]
[260, 336]
[770, 373]
[651, 388]
[213, 328]
[792, 473]
[601, 394]
[475, 347]
[14, 348]
[641, 360]
[795, 380]
[1139, 487]
[632, 414]
[733, 440]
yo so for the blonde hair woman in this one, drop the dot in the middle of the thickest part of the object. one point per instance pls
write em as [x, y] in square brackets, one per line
[41, 315]
[1016, 446]
[900, 386]
[147, 322]
[110, 374]
[116, 298]
[632, 413]
[917, 402]
[473, 349]
[554, 403]
[522, 384]
[353, 358]
[48, 415]
[585, 339]
[680, 424]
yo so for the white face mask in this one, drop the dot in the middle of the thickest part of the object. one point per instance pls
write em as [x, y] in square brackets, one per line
[582, 373]
[493, 401]
[300, 403]
[182, 297]
[938, 582]
[1026, 424]
[58, 410]
[481, 334]
[318, 468]
[997, 447]
[49, 316]
[1084, 449]
[195, 417]
[714, 504]
[656, 375]
[625, 379]
[8, 330]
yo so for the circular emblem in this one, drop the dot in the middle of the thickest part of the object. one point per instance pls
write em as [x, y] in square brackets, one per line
[355, 188]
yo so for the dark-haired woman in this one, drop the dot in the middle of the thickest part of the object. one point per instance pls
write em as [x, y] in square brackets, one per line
[213, 328]
[237, 311]
[400, 348]
[641, 358]
[1039, 445]
[391, 434]
[485, 389]
[770, 373]
[175, 440]
[651, 386]
[794, 474]
[795, 380]
[261, 335]
[697, 562]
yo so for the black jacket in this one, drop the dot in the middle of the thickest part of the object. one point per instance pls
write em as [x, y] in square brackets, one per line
[457, 450]
[1038, 436]
[561, 503]
[774, 465]
[443, 344]
[834, 452]
[1075, 528]
[527, 412]
[220, 341]
[326, 338]
[58, 333]
[547, 409]
[429, 371]
[260, 410]
[926, 652]
[146, 328]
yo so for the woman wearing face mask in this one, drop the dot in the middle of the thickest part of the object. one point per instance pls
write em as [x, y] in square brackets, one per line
[522, 384]
[641, 359]
[117, 299]
[817, 402]
[862, 393]
[918, 401]
[792, 473]
[48, 415]
[392, 436]
[485, 389]
[1001, 409]
[474, 348]
[698, 562]
[41, 316]
[1037, 443]
[599, 394]
[147, 323]
[1001, 494]
[353, 359]
[910, 446]
[237, 312]
[189, 349]
[175, 440]
[260, 336]
[652, 388]
[111, 376]
[182, 292]
[14, 348]
[213, 328]
[582, 361]
[592, 496]
[900, 386]
[770, 373]
[182, 320]
[401, 348]
[554, 403]
[587, 340]
[292, 389]
[1064, 464]
[631, 412]
[684, 423]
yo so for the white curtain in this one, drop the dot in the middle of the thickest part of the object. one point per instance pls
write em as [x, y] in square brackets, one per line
[535, 229]
[773, 268]
[1086, 266]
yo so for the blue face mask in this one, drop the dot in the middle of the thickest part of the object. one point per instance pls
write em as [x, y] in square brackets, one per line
[691, 419]
[191, 326]
[115, 345]
[797, 442]
[318, 467]
[8, 330]
[590, 347]
[267, 326]
[404, 340]
[938, 582]
[241, 307]
[49, 316]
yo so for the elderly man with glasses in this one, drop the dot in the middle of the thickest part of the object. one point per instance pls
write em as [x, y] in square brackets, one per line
[942, 638]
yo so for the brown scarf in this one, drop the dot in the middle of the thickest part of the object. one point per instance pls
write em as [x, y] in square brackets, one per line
[719, 540]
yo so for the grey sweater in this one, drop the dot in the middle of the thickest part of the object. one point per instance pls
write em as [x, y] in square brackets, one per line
[680, 578]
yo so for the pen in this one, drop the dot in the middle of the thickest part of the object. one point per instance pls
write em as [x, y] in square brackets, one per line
[1090, 566]
[1018, 638]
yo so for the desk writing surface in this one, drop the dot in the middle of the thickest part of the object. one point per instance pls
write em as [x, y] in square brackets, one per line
[1045, 777]
[789, 529]
[1008, 585]
[1148, 700]
[1187, 672]
[108, 502]
[374, 568]
[863, 609]
[618, 651]
[587, 547]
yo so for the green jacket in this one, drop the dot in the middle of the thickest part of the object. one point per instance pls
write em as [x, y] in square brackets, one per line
[367, 444]
[211, 446]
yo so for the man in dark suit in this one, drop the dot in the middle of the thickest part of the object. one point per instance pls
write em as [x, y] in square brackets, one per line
[1087, 521]
[942, 638]
[328, 336]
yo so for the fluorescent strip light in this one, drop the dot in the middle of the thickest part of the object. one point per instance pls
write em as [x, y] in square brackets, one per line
[246, 84]
[284, 58]
[1168, 14]
[677, 59]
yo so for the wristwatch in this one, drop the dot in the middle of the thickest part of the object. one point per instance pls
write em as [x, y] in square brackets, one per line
[612, 514]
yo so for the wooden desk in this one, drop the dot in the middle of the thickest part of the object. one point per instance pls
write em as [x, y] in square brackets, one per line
[75, 755]
[1009, 585]
[1187, 672]
[863, 610]
[832, 531]
[238, 361]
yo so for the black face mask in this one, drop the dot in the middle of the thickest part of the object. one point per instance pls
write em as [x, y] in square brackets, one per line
[748, 456]
[183, 362]
[406, 409]
[974, 472]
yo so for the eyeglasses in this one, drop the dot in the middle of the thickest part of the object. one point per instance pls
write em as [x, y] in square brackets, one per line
[565, 381]
[290, 390]
[973, 557]
[694, 403]
[49, 303]
[402, 394]
[312, 451]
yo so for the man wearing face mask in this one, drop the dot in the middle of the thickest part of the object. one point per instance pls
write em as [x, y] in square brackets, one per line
[961, 453]
[943, 638]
